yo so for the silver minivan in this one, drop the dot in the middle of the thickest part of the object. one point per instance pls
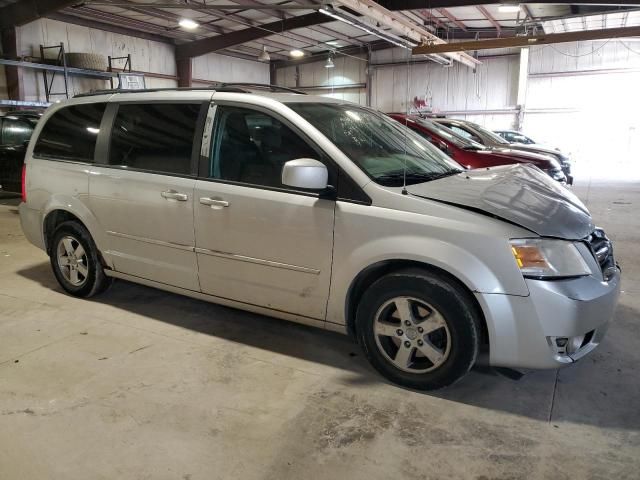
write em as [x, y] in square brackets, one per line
[321, 212]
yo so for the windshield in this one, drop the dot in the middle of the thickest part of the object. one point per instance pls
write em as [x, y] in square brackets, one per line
[520, 138]
[383, 148]
[494, 136]
[448, 134]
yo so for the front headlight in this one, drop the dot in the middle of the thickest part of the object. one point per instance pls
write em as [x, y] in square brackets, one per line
[548, 258]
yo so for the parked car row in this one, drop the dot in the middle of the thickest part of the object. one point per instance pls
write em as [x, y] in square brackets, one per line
[326, 213]
[486, 137]
[472, 154]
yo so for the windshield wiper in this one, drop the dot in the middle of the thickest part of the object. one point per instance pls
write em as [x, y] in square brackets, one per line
[396, 177]
[474, 147]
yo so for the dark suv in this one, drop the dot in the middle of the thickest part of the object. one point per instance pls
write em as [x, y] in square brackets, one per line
[15, 131]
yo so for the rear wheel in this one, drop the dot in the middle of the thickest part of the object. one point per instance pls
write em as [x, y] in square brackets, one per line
[75, 262]
[418, 329]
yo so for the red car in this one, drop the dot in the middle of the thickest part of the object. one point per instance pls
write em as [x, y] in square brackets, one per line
[472, 154]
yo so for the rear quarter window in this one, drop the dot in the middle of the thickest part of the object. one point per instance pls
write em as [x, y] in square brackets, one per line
[71, 133]
[156, 137]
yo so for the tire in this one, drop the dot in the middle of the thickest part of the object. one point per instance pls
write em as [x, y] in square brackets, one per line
[87, 61]
[437, 348]
[89, 277]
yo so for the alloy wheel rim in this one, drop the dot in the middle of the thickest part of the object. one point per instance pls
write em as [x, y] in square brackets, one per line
[412, 335]
[72, 261]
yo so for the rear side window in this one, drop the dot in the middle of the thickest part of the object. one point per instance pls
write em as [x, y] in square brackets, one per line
[71, 133]
[157, 137]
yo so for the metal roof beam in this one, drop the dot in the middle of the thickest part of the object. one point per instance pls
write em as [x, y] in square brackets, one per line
[152, 11]
[395, 5]
[445, 13]
[284, 15]
[127, 22]
[25, 11]
[84, 21]
[213, 44]
[273, 9]
[528, 41]
[430, 17]
[489, 17]
[417, 33]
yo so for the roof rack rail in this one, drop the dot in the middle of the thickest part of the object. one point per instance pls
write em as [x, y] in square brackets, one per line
[219, 87]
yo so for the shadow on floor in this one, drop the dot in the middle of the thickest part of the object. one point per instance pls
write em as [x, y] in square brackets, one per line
[534, 396]
[10, 199]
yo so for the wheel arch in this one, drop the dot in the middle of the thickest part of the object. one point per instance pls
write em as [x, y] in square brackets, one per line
[51, 222]
[373, 272]
[60, 210]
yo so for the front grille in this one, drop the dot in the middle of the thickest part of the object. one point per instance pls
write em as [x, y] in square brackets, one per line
[602, 250]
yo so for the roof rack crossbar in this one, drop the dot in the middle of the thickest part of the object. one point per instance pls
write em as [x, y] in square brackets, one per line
[219, 87]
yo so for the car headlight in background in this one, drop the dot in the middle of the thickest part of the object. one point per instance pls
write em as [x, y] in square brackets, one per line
[548, 258]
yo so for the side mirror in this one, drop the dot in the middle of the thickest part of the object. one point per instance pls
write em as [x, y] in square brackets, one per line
[305, 173]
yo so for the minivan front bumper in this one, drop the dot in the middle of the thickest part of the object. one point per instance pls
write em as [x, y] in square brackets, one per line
[558, 323]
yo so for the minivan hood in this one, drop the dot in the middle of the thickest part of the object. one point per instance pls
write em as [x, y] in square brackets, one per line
[520, 194]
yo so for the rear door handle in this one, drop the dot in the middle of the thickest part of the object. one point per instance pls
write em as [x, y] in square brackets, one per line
[173, 195]
[214, 203]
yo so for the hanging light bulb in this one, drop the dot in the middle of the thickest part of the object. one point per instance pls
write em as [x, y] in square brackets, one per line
[329, 63]
[188, 24]
[264, 55]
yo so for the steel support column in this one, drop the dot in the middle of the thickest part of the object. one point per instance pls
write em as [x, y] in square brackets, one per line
[184, 68]
[523, 76]
[10, 48]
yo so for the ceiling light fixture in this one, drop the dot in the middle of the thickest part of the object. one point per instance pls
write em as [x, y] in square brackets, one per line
[188, 24]
[509, 8]
[264, 55]
[333, 43]
[354, 22]
[329, 63]
[296, 53]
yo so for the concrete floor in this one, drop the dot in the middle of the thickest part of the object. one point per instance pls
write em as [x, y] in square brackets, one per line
[142, 384]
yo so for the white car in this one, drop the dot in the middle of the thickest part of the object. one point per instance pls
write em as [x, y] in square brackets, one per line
[321, 212]
[513, 136]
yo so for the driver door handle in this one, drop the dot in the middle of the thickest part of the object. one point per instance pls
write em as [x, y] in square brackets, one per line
[173, 195]
[214, 203]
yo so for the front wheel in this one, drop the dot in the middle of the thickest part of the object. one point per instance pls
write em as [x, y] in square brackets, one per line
[418, 329]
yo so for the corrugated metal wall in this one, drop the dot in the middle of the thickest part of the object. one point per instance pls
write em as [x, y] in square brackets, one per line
[584, 97]
[347, 71]
[481, 95]
[146, 56]
[229, 69]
